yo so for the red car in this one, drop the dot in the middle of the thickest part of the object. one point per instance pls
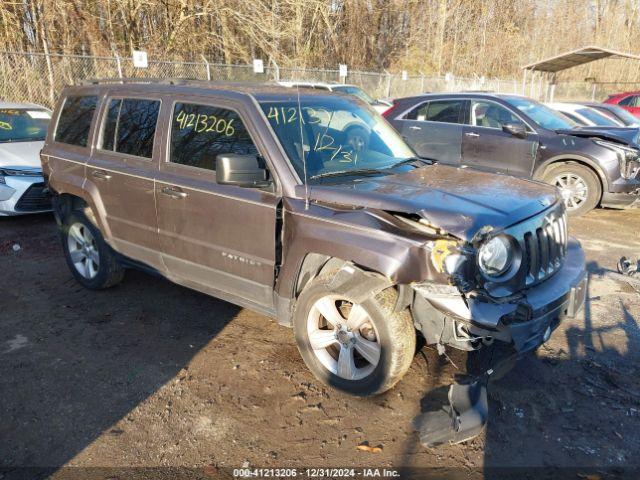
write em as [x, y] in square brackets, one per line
[628, 100]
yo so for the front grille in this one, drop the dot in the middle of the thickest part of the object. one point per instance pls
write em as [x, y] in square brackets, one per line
[545, 248]
[35, 199]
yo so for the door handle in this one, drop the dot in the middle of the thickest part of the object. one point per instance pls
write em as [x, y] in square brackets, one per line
[413, 127]
[472, 134]
[174, 192]
[100, 175]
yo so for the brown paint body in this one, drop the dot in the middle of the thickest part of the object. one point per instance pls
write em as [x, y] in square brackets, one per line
[248, 245]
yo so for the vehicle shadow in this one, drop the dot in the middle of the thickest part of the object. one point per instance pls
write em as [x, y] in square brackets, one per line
[82, 361]
[571, 408]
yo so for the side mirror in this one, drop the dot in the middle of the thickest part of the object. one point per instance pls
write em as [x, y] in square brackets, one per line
[247, 171]
[516, 129]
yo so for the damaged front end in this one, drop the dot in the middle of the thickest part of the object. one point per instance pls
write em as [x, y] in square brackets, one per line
[507, 291]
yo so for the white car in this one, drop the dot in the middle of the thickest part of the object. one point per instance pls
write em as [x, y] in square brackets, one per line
[23, 127]
[378, 105]
[585, 116]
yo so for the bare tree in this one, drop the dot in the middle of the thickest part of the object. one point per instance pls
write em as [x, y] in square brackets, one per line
[484, 37]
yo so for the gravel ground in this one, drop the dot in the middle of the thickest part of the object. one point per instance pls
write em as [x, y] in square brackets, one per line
[150, 374]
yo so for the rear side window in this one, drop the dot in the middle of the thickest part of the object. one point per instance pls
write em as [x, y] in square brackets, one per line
[200, 132]
[130, 126]
[75, 120]
[449, 111]
[630, 101]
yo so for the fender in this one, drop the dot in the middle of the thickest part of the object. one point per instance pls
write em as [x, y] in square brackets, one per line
[540, 169]
[90, 195]
[94, 200]
[321, 231]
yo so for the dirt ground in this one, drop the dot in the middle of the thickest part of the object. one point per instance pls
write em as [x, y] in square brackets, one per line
[152, 374]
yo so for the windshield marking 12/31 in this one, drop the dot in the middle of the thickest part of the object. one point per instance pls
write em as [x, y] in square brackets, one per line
[314, 116]
[334, 135]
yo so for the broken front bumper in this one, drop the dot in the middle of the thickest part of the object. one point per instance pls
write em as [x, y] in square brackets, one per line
[445, 317]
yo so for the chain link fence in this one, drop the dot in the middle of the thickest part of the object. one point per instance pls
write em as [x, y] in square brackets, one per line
[591, 91]
[38, 78]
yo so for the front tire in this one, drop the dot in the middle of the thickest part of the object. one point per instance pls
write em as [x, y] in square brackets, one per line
[579, 186]
[360, 348]
[91, 261]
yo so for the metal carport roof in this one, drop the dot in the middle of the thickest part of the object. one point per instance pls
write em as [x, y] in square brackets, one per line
[575, 58]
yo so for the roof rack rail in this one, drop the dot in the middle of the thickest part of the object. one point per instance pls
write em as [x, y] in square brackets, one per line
[117, 80]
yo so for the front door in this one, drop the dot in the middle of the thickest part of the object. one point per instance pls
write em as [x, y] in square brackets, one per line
[434, 130]
[219, 239]
[122, 170]
[485, 146]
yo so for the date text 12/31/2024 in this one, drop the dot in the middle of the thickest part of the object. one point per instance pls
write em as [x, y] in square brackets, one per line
[315, 473]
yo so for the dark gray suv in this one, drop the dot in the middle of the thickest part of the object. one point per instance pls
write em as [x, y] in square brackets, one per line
[521, 137]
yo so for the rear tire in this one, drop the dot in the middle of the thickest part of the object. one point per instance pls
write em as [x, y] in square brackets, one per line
[579, 186]
[91, 261]
[364, 348]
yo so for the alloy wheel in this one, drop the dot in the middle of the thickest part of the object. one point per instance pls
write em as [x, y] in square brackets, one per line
[83, 250]
[573, 188]
[343, 337]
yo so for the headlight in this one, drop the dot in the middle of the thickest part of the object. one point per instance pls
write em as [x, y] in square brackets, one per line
[628, 158]
[495, 256]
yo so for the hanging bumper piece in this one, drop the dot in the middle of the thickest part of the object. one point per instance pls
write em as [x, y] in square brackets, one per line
[463, 419]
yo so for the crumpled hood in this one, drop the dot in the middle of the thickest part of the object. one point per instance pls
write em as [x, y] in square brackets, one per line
[20, 154]
[457, 200]
[625, 135]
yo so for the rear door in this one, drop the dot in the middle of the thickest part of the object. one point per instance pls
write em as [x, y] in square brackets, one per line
[434, 129]
[68, 147]
[219, 239]
[121, 171]
[485, 146]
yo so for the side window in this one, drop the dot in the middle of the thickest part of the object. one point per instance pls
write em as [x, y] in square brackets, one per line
[491, 115]
[418, 113]
[130, 126]
[75, 120]
[630, 101]
[200, 132]
[572, 117]
[448, 111]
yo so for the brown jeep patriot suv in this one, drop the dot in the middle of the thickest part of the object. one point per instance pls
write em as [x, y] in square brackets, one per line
[308, 207]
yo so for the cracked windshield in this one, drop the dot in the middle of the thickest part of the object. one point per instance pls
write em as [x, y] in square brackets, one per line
[337, 137]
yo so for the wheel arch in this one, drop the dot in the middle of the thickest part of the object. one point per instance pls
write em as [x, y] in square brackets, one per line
[65, 203]
[317, 264]
[313, 265]
[584, 161]
[88, 201]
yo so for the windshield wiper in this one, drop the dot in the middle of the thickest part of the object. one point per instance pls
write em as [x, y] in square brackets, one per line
[424, 161]
[354, 171]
